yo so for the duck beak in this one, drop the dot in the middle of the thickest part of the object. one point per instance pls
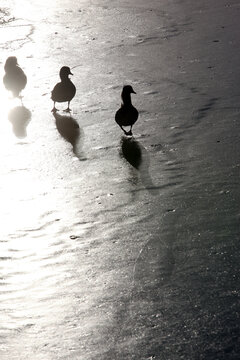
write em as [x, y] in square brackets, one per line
[133, 92]
[70, 73]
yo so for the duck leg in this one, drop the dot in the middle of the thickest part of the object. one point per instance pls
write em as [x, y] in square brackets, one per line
[129, 133]
[54, 108]
[125, 132]
[68, 108]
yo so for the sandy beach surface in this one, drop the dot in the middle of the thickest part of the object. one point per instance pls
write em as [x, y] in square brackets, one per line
[114, 247]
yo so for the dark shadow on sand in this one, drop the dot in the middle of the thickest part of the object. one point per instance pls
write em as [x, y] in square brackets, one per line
[137, 156]
[69, 129]
[19, 117]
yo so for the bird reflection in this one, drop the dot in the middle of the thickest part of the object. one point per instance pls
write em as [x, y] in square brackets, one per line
[138, 157]
[69, 129]
[20, 117]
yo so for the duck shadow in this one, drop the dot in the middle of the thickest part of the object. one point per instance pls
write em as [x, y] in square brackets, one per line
[137, 156]
[19, 117]
[131, 151]
[69, 129]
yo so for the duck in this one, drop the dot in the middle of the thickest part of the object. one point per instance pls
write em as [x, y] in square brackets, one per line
[14, 79]
[127, 114]
[64, 90]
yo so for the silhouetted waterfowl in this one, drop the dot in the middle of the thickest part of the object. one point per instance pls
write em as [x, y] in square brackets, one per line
[127, 115]
[64, 90]
[14, 79]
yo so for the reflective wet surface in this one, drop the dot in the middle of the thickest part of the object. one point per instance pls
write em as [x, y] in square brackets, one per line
[114, 247]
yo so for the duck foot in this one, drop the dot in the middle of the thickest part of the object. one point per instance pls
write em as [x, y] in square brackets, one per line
[54, 110]
[67, 110]
[128, 133]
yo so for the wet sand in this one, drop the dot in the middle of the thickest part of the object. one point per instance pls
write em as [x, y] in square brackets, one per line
[112, 247]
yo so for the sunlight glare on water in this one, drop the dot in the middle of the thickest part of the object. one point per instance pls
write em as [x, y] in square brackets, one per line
[110, 243]
[6, 104]
[14, 183]
[28, 9]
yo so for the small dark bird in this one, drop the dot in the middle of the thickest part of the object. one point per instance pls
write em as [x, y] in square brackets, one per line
[64, 90]
[127, 115]
[14, 79]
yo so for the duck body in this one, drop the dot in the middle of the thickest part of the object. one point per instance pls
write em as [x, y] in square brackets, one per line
[14, 79]
[127, 115]
[65, 90]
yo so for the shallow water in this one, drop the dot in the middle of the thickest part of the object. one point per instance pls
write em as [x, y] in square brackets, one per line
[112, 247]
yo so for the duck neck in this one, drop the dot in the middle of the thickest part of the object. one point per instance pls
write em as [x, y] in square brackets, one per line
[9, 67]
[126, 98]
[64, 78]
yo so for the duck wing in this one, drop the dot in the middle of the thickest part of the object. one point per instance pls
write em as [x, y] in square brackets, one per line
[15, 80]
[63, 91]
[126, 115]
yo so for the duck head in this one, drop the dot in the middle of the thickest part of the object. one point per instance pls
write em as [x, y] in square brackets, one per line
[127, 89]
[65, 72]
[10, 63]
[126, 94]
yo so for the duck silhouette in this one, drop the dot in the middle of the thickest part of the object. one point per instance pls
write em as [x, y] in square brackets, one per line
[127, 115]
[64, 90]
[14, 79]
